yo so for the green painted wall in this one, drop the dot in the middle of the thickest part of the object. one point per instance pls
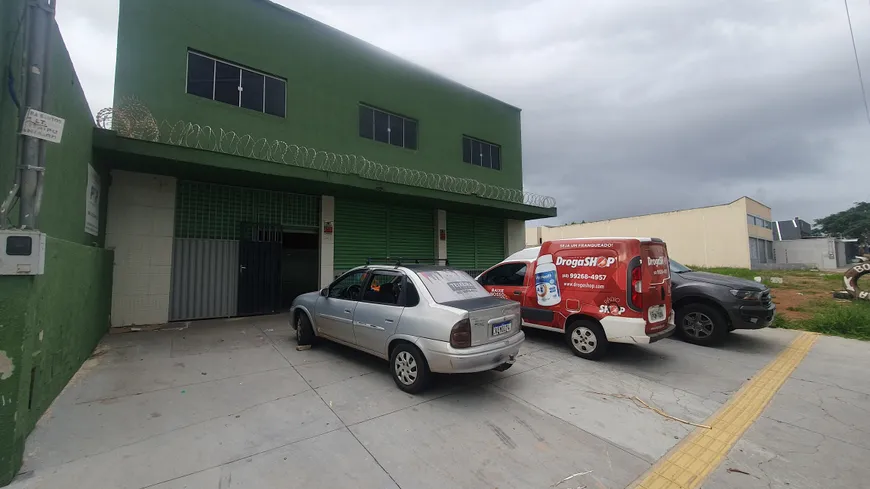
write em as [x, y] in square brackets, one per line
[49, 324]
[328, 74]
[10, 50]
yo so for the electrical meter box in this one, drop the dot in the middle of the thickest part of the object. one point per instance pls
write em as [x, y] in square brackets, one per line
[22, 252]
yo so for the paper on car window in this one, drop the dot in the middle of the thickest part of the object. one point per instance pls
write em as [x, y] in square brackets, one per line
[451, 285]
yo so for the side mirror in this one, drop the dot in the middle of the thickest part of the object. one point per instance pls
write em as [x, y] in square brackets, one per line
[324, 291]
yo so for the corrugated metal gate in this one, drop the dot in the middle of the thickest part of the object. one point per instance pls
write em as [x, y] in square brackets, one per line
[365, 230]
[474, 243]
[208, 227]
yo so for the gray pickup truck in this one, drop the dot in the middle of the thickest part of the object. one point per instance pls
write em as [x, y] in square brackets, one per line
[709, 305]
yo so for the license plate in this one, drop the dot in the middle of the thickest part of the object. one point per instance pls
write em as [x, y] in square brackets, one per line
[656, 314]
[501, 328]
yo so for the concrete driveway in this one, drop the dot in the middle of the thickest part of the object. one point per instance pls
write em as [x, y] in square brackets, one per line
[229, 404]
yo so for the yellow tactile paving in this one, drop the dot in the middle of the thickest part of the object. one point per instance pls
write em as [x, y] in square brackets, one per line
[688, 464]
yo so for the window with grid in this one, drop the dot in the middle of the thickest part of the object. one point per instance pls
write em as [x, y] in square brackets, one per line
[232, 84]
[481, 153]
[385, 127]
[211, 211]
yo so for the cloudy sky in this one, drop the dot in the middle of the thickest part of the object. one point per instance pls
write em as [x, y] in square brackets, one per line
[629, 106]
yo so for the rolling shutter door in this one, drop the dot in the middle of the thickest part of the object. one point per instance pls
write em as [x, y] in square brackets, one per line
[411, 234]
[365, 230]
[474, 243]
[460, 241]
[360, 233]
[489, 241]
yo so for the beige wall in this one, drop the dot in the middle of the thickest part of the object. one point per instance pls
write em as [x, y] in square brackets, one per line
[515, 236]
[762, 211]
[710, 236]
[532, 236]
[140, 225]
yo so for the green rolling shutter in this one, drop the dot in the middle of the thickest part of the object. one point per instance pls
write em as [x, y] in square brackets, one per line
[460, 241]
[365, 230]
[489, 240]
[360, 233]
[411, 233]
[474, 243]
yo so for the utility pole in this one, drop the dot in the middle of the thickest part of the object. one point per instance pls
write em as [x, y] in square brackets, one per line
[33, 156]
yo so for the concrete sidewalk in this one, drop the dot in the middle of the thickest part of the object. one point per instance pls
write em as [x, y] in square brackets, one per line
[233, 404]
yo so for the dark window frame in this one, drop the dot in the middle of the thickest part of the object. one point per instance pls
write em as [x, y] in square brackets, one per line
[363, 280]
[494, 162]
[410, 143]
[487, 279]
[242, 68]
[400, 300]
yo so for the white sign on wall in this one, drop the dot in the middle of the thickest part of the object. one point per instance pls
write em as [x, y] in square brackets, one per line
[92, 203]
[42, 126]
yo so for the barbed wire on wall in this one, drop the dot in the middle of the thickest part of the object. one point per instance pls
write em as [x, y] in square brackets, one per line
[133, 119]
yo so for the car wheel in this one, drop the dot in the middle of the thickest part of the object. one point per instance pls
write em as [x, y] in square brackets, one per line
[409, 368]
[587, 339]
[701, 324]
[304, 331]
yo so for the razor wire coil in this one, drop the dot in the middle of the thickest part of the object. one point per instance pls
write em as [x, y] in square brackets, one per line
[133, 119]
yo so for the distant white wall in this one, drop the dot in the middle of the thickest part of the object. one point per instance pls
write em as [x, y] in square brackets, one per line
[715, 236]
[533, 236]
[820, 253]
[515, 236]
[140, 226]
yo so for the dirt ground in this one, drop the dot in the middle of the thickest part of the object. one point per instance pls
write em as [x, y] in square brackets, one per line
[798, 291]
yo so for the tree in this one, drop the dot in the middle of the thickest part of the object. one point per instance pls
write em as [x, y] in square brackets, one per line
[851, 223]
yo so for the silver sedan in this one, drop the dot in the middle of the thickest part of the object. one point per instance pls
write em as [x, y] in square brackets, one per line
[422, 319]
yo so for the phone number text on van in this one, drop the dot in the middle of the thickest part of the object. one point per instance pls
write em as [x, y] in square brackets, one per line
[584, 276]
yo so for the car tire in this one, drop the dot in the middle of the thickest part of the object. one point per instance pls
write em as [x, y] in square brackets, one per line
[304, 331]
[701, 324]
[409, 368]
[586, 339]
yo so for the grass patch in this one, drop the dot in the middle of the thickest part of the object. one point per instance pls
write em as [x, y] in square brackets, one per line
[732, 272]
[804, 302]
[849, 319]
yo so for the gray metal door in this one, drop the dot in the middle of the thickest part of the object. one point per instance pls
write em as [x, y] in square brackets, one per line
[204, 279]
[335, 312]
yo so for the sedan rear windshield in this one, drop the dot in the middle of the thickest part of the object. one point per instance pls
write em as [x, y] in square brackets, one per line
[451, 285]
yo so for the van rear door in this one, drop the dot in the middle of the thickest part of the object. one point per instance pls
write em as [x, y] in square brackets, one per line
[656, 284]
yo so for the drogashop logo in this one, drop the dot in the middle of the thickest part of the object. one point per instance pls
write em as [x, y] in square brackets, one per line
[660, 261]
[589, 261]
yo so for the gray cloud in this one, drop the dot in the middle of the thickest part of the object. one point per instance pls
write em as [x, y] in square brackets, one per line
[629, 106]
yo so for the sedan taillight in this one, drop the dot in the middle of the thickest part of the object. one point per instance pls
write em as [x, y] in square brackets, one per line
[460, 335]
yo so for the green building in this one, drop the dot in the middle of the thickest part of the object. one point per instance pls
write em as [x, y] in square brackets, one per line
[252, 154]
[257, 153]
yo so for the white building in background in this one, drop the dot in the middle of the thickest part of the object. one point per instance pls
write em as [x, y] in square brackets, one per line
[736, 234]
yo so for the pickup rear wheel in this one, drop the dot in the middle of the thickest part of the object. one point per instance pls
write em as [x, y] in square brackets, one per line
[586, 339]
[701, 324]
[409, 368]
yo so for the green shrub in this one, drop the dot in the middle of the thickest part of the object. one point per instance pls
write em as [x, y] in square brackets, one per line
[851, 320]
